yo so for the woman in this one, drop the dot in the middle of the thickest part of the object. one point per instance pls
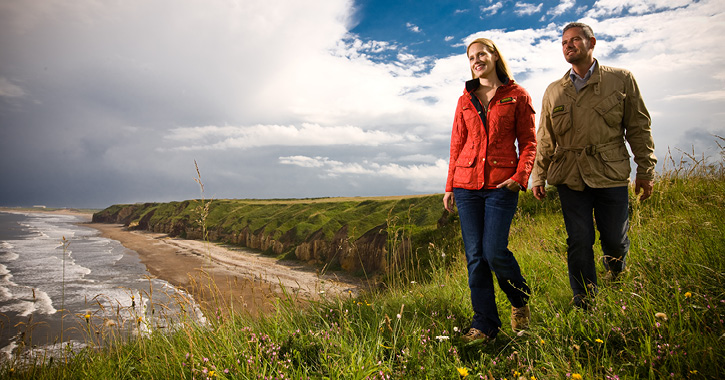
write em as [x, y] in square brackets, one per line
[485, 175]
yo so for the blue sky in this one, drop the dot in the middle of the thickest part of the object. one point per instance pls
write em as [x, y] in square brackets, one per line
[112, 102]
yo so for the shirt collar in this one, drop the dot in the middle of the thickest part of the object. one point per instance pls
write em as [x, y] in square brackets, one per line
[573, 75]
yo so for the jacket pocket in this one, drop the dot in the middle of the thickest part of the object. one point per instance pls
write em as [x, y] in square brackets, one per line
[561, 118]
[556, 174]
[504, 114]
[615, 163]
[611, 109]
[502, 168]
[464, 169]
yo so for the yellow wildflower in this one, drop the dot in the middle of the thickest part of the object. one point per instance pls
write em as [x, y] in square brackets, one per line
[598, 340]
[462, 371]
[576, 376]
[88, 316]
[688, 294]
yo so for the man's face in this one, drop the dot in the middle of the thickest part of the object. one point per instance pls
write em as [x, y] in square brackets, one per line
[576, 47]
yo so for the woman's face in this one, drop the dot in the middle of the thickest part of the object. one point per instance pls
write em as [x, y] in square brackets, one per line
[482, 62]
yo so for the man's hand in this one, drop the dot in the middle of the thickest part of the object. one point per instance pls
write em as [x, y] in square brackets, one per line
[644, 185]
[539, 192]
[448, 201]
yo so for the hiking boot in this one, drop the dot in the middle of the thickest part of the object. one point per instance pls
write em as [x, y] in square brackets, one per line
[520, 318]
[611, 277]
[476, 336]
[581, 301]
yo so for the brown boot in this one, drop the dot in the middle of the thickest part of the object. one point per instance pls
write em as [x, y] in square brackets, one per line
[477, 336]
[520, 318]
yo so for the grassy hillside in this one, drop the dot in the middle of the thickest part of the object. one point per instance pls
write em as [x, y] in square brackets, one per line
[348, 232]
[663, 321]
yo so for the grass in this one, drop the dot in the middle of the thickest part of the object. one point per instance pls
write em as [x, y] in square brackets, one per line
[664, 320]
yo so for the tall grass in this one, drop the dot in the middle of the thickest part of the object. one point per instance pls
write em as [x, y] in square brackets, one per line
[664, 320]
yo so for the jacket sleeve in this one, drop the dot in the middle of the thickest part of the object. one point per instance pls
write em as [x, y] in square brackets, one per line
[526, 138]
[636, 121]
[545, 146]
[459, 134]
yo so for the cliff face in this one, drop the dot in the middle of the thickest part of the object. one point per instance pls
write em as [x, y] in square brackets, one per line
[351, 235]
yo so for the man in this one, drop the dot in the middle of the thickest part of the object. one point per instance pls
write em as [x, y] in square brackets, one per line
[586, 117]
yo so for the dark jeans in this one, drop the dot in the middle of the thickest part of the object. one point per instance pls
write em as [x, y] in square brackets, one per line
[610, 207]
[485, 222]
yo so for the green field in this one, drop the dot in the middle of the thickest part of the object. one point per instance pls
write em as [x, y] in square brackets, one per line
[663, 321]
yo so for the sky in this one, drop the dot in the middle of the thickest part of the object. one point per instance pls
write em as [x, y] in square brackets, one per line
[114, 101]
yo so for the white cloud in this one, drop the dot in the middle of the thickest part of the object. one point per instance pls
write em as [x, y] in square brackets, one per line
[561, 8]
[10, 90]
[604, 8]
[492, 9]
[230, 137]
[526, 9]
[419, 178]
[718, 95]
[412, 27]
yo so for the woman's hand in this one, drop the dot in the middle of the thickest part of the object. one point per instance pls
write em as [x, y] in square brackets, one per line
[448, 201]
[510, 184]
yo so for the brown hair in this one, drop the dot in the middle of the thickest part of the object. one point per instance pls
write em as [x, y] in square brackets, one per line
[502, 68]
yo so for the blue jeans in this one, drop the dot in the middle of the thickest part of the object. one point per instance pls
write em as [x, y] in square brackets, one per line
[610, 207]
[486, 217]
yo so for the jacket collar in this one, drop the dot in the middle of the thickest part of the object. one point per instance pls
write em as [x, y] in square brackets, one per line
[592, 82]
[473, 84]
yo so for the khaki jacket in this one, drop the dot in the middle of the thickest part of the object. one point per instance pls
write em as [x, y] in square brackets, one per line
[581, 135]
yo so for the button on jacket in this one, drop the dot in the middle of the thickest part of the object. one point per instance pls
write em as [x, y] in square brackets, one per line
[581, 135]
[484, 156]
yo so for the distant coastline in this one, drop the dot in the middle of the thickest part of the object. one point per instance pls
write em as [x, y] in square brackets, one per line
[216, 276]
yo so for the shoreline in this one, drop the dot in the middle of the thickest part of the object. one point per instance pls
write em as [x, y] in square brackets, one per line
[220, 277]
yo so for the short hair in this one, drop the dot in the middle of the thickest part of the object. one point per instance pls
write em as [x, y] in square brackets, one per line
[502, 68]
[586, 29]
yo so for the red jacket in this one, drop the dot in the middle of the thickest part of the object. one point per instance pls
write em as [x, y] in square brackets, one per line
[485, 156]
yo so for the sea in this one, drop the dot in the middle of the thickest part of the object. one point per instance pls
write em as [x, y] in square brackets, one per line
[64, 286]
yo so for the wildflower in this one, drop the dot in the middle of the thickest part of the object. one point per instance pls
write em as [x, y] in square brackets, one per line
[455, 328]
[462, 371]
[88, 317]
[688, 294]
[598, 340]
[442, 337]
[661, 316]
[399, 316]
[694, 371]
[576, 376]
[543, 341]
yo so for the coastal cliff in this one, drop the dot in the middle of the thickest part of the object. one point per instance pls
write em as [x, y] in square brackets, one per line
[357, 235]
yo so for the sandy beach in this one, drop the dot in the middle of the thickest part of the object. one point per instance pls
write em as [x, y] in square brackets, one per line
[220, 276]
